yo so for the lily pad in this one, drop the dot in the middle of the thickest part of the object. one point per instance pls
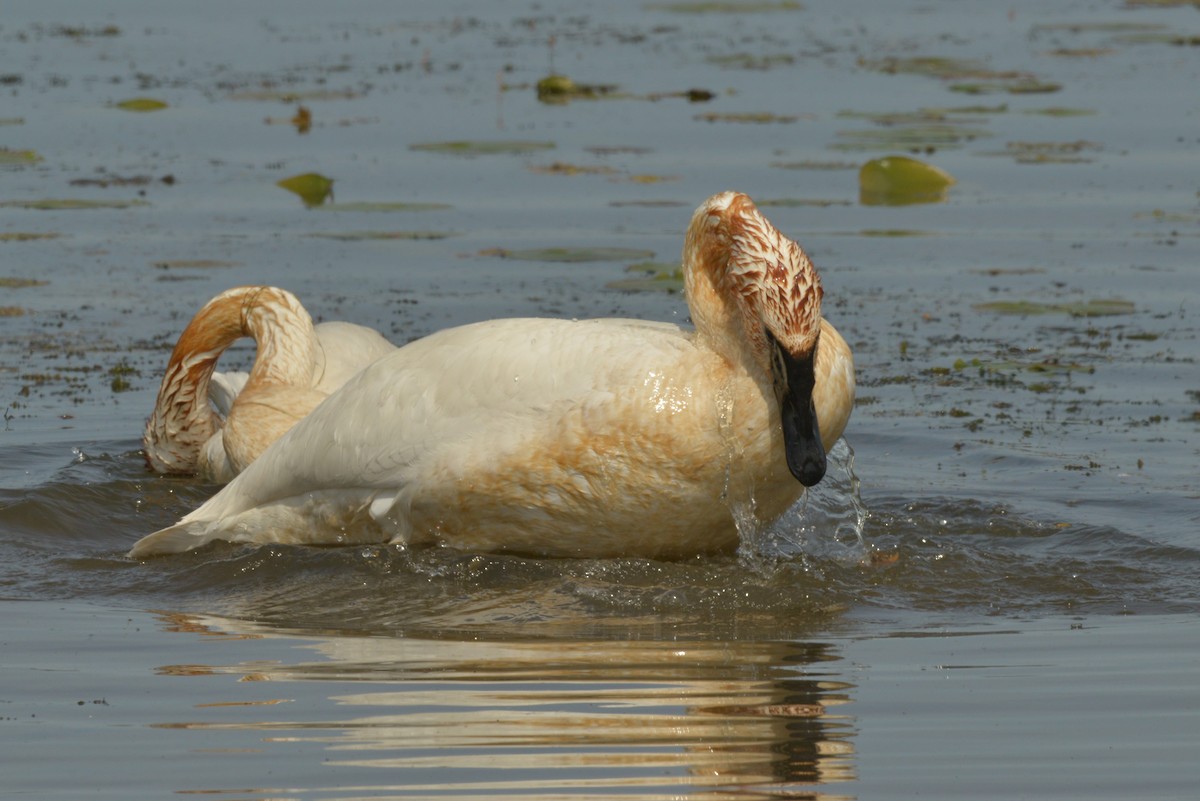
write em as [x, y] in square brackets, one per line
[361, 236]
[571, 255]
[385, 206]
[71, 204]
[1089, 308]
[313, 188]
[17, 157]
[900, 181]
[484, 147]
[141, 104]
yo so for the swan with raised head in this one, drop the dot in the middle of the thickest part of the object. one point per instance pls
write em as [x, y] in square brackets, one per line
[594, 438]
[215, 424]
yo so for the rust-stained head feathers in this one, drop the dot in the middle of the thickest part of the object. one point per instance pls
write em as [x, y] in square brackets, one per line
[734, 249]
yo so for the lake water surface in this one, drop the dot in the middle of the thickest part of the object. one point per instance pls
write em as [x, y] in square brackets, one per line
[994, 594]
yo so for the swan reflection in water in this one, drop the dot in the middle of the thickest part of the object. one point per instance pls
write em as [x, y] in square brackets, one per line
[466, 718]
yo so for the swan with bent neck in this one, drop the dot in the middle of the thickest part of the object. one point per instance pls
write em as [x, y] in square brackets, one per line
[214, 425]
[593, 438]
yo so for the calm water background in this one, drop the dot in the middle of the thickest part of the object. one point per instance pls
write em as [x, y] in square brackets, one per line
[1019, 616]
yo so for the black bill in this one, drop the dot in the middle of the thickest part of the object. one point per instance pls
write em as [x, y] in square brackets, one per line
[794, 381]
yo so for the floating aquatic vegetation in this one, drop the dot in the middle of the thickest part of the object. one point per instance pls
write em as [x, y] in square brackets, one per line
[968, 75]
[1060, 111]
[28, 236]
[571, 255]
[1047, 152]
[10, 158]
[120, 374]
[650, 204]
[83, 31]
[650, 276]
[195, 264]
[651, 179]
[926, 138]
[12, 120]
[293, 96]
[1026, 86]
[312, 188]
[71, 204]
[922, 131]
[614, 150]
[727, 7]
[752, 117]
[361, 236]
[12, 311]
[752, 61]
[1081, 52]
[900, 181]
[815, 165]
[562, 168]
[141, 104]
[1088, 308]
[118, 180]
[559, 89]
[385, 206]
[800, 202]
[20, 283]
[483, 147]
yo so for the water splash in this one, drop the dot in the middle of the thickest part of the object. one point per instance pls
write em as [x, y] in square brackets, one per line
[826, 524]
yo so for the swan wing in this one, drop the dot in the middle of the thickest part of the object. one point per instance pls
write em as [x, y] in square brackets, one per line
[343, 350]
[451, 399]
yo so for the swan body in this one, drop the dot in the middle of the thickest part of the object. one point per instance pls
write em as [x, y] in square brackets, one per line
[591, 438]
[214, 424]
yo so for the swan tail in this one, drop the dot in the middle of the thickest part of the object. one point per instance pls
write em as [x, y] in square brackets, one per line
[181, 537]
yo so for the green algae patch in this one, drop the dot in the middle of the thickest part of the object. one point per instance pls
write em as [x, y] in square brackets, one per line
[385, 207]
[311, 187]
[1088, 308]
[71, 204]
[17, 158]
[650, 276]
[901, 181]
[571, 255]
[484, 147]
[141, 104]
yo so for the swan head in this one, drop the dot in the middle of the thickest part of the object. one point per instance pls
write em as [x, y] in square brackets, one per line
[754, 294]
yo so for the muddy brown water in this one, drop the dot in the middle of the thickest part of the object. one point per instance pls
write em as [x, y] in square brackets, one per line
[994, 594]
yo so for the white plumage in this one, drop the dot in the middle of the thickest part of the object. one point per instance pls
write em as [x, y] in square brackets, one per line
[569, 438]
